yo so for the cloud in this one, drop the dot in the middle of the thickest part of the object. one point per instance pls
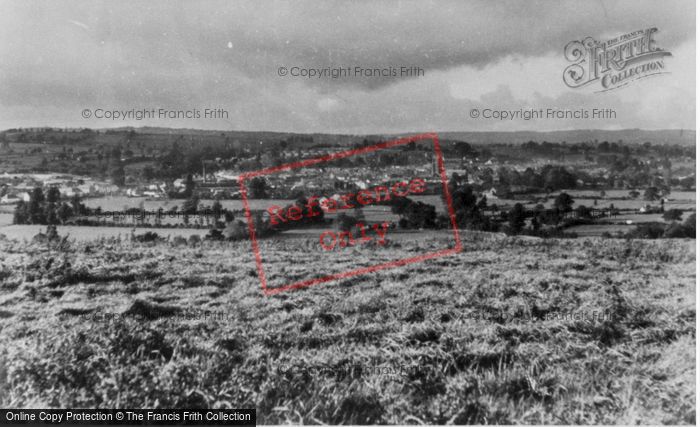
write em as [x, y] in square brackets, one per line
[58, 59]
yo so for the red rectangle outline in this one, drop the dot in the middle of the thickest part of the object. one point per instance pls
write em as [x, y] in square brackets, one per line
[340, 155]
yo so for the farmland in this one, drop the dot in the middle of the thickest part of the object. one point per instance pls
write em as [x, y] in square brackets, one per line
[621, 223]
[511, 330]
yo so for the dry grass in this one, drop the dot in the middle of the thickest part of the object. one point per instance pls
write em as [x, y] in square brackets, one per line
[480, 335]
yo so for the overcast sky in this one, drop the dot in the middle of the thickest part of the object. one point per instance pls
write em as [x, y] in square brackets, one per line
[59, 58]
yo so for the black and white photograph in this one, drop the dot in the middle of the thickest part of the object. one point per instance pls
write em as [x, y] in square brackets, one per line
[358, 212]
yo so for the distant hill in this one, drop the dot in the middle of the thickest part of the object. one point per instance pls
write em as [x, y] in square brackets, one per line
[633, 136]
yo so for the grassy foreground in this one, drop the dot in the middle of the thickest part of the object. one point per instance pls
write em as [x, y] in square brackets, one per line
[512, 330]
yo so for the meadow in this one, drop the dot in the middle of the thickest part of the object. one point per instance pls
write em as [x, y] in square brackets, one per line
[510, 330]
[621, 223]
[677, 199]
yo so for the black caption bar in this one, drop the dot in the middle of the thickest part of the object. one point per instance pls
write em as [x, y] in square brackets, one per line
[231, 417]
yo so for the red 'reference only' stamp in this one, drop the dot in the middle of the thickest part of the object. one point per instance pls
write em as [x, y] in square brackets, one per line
[360, 232]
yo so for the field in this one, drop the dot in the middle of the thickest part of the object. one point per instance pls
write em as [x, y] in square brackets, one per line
[621, 223]
[511, 330]
[677, 199]
[87, 234]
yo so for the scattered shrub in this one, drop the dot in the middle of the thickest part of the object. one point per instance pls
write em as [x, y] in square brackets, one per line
[148, 236]
[214, 234]
[179, 241]
[657, 230]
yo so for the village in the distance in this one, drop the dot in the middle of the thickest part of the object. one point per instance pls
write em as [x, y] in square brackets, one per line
[638, 185]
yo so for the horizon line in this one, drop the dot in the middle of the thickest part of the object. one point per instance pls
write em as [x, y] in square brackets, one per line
[349, 134]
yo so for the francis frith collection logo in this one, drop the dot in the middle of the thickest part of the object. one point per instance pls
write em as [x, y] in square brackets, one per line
[614, 63]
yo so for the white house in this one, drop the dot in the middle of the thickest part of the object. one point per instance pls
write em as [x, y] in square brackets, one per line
[491, 194]
[361, 184]
[134, 192]
[13, 199]
[9, 200]
[153, 194]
